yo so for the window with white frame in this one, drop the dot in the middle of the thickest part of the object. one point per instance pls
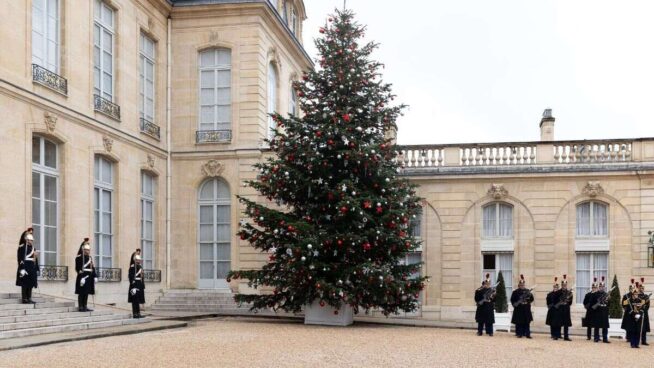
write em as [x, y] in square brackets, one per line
[497, 221]
[146, 77]
[45, 34]
[272, 98]
[590, 265]
[294, 21]
[147, 220]
[103, 50]
[593, 220]
[494, 263]
[45, 199]
[415, 225]
[215, 89]
[285, 11]
[103, 211]
[292, 101]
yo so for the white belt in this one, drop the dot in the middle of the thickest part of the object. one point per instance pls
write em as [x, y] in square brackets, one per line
[29, 259]
[87, 269]
[138, 278]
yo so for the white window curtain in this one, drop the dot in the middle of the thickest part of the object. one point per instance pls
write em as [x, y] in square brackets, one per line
[45, 34]
[45, 199]
[146, 77]
[103, 50]
[215, 89]
[592, 219]
[292, 104]
[147, 220]
[497, 221]
[505, 229]
[272, 98]
[415, 225]
[590, 266]
[103, 212]
[489, 221]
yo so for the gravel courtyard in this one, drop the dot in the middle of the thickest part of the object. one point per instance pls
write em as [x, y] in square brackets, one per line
[232, 342]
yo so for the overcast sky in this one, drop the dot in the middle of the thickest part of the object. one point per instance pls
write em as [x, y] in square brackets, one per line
[483, 71]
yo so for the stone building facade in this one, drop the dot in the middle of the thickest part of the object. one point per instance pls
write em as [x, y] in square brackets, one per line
[118, 113]
[135, 123]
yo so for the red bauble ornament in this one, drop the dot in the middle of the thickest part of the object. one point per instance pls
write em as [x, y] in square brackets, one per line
[242, 236]
[321, 30]
[318, 133]
[344, 209]
[339, 242]
[379, 209]
[335, 312]
[317, 286]
[367, 204]
[346, 118]
[330, 142]
[366, 246]
[330, 196]
[322, 304]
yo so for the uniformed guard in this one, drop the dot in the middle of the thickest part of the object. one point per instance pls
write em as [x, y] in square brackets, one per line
[521, 299]
[28, 266]
[551, 300]
[634, 321]
[136, 294]
[485, 299]
[646, 303]
[563, 309]
[587, 321]
[86, 276]
[137, 252]
[623, 303]
[600, 316]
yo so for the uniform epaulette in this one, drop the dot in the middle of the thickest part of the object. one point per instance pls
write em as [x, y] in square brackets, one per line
[79, 255]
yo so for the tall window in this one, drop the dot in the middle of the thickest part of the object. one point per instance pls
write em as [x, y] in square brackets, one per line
[415, 225]
[103, 211]
[45, 190]
[103, 50]
[592, 220]
[215, 233]
[45, 34]
[147, 220]
[272, 97]
[146, 77]
[589, 266]
[292, 102]
[294, 21]
[497, 221]
[285, 11]
[215, 89]
[494, 263]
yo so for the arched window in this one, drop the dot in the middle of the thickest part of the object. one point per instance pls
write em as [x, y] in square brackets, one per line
[103, 210]
[497, 220]
[214, 234]
[592, 219]
[215, 90]
[148, 220]
[272, 97]
[45, 199]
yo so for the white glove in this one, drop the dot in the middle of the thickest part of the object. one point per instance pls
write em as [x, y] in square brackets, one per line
[82, 282]
[134, 291]
[95, 280]
[22, 273]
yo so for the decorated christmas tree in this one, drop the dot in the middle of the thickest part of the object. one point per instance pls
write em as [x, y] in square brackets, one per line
[501, 305]
[340, 231]
[615, 300]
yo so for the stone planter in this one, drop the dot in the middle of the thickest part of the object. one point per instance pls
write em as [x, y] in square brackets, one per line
[502, 322]
[314, 314]
[614, 328]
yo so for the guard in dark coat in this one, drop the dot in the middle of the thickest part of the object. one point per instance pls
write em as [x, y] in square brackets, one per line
[600, 316]
[485, 300]
[136, 294]
[551, 300]
[646, 301]
[561, 315]
[86, 276]
[633, 309]
[521, 299]
[28, 267]
[587, 321]
[624, 302]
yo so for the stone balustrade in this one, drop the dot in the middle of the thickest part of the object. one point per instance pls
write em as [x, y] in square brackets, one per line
[526, 154]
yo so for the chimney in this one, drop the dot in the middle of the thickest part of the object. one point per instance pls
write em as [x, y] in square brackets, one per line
[547, 126]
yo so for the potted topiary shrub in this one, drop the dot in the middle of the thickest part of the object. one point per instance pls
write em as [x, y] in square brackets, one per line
[615, 310]
[502, 316]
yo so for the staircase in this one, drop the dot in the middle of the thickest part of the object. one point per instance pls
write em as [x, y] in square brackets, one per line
[180, 301]
[49, 316]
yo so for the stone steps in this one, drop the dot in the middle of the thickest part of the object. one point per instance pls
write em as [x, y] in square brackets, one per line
[204, 307]
[55, 315]
[70, 327]
[36, 306]
[60, 321]
[14, 300]
[23, 312]
[198, 301]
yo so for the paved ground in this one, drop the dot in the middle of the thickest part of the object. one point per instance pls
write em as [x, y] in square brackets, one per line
[243, 342]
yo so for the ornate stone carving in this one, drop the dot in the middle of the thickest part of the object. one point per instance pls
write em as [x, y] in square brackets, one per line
[213, 36]
[497, 191]
[108, 143]
[593, 189]
[50, 121]
[151, 161]
[273, 57]
[213, 168]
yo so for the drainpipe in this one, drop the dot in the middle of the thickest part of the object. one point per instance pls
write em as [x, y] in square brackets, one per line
[168, 149]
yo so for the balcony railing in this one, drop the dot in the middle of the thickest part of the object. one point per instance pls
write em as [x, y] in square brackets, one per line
[104, 106]
[530, 156]
[152, 275]
[213, 136]
[150, 129]
[53, 273]
[49, 79]
[109, 274]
